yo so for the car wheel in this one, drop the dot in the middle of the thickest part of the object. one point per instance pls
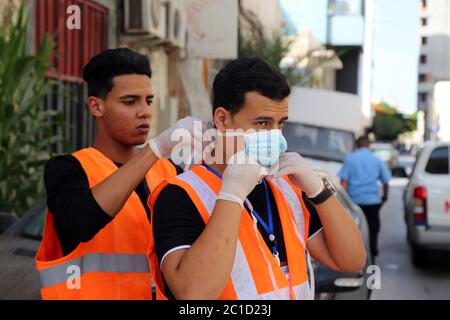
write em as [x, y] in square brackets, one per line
[419, 256]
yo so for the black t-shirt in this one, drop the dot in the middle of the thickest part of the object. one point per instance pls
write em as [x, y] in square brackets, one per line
[177, 224]
[77, 215]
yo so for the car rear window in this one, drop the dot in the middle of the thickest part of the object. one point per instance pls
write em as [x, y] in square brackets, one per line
[35, 226]
[438, 163]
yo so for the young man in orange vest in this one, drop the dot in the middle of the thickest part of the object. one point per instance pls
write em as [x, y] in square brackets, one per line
[233, 233]
[96, 243]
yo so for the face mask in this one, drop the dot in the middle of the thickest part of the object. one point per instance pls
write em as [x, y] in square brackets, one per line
[265, 147]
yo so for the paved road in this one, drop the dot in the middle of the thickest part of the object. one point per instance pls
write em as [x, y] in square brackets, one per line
[399, 278]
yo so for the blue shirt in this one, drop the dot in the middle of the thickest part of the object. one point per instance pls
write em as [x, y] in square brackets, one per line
[362, 169]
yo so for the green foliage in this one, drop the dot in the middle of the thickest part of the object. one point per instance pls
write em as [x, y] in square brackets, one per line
[274, 49]
[271, 49]
[26, 132]
[388, 123]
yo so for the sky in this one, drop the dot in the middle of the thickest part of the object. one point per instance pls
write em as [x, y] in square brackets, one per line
[396, 53]
[396, 45]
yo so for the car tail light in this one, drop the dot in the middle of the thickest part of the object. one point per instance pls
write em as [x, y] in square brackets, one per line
[420, 205]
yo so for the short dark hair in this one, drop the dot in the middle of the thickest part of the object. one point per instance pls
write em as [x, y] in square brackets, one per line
[363, 141]
[247, 75]
[102, 68]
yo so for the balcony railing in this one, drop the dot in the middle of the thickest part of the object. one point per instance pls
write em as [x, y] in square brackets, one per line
[345, 7]
[345, 23]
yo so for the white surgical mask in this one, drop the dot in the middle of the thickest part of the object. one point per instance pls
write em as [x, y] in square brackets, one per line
[265, 146]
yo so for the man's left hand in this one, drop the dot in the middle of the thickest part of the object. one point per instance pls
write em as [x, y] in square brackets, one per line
[293, 165]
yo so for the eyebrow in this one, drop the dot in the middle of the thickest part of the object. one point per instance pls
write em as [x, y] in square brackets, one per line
[131, 96]
[269, 119]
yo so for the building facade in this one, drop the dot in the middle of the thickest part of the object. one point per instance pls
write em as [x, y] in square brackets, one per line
[187, 42]
[345, 27]
[434, 61]
[158, 29]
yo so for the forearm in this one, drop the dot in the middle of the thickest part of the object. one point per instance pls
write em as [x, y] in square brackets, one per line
[112, 193]
[385, 190]
[342, 235]
[344, 184]
[205, 268]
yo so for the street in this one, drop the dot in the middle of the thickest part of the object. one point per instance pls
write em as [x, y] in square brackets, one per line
[399, 278]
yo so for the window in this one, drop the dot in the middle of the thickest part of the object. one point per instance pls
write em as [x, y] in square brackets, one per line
[424, 21]
[345, 7]
[424, 41]
[423, 97]
[318, 142]
[73, 48]
[439, 161]
[34, 228]
[423, 59]
[343, 198]
[422, 77]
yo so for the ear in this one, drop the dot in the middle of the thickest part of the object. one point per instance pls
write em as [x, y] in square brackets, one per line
[221, 119]
[96, 107]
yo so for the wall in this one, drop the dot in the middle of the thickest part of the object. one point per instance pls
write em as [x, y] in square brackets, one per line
[307, 14]
[7, 7]
[268, 12]
[326, 108]
[112, 21]
[438, 33]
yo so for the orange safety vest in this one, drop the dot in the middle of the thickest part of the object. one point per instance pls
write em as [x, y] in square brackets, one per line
[115, 264]
[256, 273]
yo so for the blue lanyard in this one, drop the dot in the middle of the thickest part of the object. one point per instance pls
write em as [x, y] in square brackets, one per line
[268, 228]
[204, 165]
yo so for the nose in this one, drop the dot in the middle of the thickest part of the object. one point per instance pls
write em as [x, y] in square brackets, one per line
[144, 111]
[275, 126]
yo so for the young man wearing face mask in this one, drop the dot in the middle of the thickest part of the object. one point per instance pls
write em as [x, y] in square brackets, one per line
[233, 233]
[96, 243]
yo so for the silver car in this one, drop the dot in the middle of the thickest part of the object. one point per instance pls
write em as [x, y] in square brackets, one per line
[344, 286]
[427, 202]
[386, 152]
[18, 246]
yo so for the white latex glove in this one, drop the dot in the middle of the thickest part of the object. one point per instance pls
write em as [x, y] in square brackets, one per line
[240, 178]
[163, 144]
[293, 165]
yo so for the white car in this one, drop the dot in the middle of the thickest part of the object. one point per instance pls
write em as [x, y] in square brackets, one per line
[427, 202]
[386, 152]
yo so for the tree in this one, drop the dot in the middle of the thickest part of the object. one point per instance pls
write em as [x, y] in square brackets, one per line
[388, 123]
[273, 49]
[26, 131]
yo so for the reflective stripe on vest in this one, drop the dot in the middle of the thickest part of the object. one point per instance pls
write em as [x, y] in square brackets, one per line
[94, 262]
[241, 275]
[296, 207]
[115, 263]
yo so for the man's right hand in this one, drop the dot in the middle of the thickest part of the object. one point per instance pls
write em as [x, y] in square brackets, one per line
[163, 144]
[240, 178]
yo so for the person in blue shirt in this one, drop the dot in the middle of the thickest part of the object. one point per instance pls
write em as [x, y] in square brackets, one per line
[360, 176]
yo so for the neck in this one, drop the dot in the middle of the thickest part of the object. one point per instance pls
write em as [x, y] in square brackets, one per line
[113, 150]
[220, 168]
